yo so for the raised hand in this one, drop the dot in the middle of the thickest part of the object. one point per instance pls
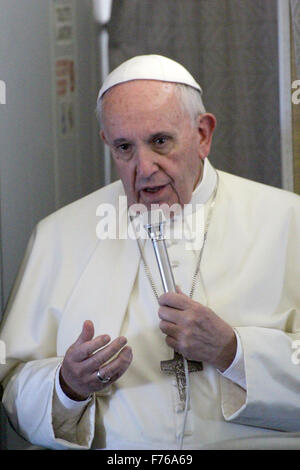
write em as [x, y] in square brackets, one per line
[88, 356]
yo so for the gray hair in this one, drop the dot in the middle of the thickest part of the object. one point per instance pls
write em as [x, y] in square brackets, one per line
[191, 101]
[190, 98]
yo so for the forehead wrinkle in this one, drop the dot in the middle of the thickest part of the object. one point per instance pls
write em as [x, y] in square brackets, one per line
[127, 100]
[152, 88]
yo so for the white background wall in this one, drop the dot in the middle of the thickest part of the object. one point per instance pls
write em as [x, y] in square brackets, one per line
[39, 170]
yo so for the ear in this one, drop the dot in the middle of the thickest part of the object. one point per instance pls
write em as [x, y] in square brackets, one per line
[102, 135]
[206, 125]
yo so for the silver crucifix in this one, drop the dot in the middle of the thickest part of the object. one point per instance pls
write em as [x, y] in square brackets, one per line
[175, 365]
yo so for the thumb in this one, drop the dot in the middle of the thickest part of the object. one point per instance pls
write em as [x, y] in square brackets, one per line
[178, 290]
[87, 332]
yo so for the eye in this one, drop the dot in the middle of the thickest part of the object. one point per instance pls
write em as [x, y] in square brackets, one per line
[162, 143]
[161, 140]
[123, 151]
[123, 147]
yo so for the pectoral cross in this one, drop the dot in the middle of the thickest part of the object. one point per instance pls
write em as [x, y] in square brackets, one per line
[176, 366]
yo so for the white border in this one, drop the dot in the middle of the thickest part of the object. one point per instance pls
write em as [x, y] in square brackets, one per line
[285, 102]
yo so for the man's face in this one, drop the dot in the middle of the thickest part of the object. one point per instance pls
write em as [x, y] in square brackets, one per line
[157, 149]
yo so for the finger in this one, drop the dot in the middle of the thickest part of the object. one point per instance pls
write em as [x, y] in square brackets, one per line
[105, 354]
[169, 329]
[178, 290]
[85, 350]
[175, 300]
[116, 368]
[87, 332]
[172, 343]
[170, 314]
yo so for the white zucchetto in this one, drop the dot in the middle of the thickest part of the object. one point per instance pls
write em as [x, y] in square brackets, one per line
[149, 67]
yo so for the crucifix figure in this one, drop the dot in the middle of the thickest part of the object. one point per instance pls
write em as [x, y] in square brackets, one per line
[175, 365]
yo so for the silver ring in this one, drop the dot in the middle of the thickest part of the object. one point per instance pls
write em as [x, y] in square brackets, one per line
[102, 380]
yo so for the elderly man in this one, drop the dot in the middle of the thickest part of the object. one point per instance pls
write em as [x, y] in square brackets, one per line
[88, 323]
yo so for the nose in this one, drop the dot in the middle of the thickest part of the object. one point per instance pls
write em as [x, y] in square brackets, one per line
[146, 162]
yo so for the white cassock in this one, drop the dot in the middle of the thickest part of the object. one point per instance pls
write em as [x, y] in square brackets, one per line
[250, 273]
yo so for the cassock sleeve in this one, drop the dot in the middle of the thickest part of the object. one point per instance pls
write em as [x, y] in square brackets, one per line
[272, 396]
[29, 331]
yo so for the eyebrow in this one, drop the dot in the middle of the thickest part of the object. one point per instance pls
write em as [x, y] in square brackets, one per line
[160, 134]
[119, 141]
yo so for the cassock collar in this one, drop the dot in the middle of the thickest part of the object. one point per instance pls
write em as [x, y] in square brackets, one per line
[194, 212]
[205, 188]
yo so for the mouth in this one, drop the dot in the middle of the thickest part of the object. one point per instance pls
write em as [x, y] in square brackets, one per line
[154, 189]
[153, 192]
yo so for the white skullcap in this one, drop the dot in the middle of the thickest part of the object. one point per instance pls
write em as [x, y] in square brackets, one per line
[149, 67]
